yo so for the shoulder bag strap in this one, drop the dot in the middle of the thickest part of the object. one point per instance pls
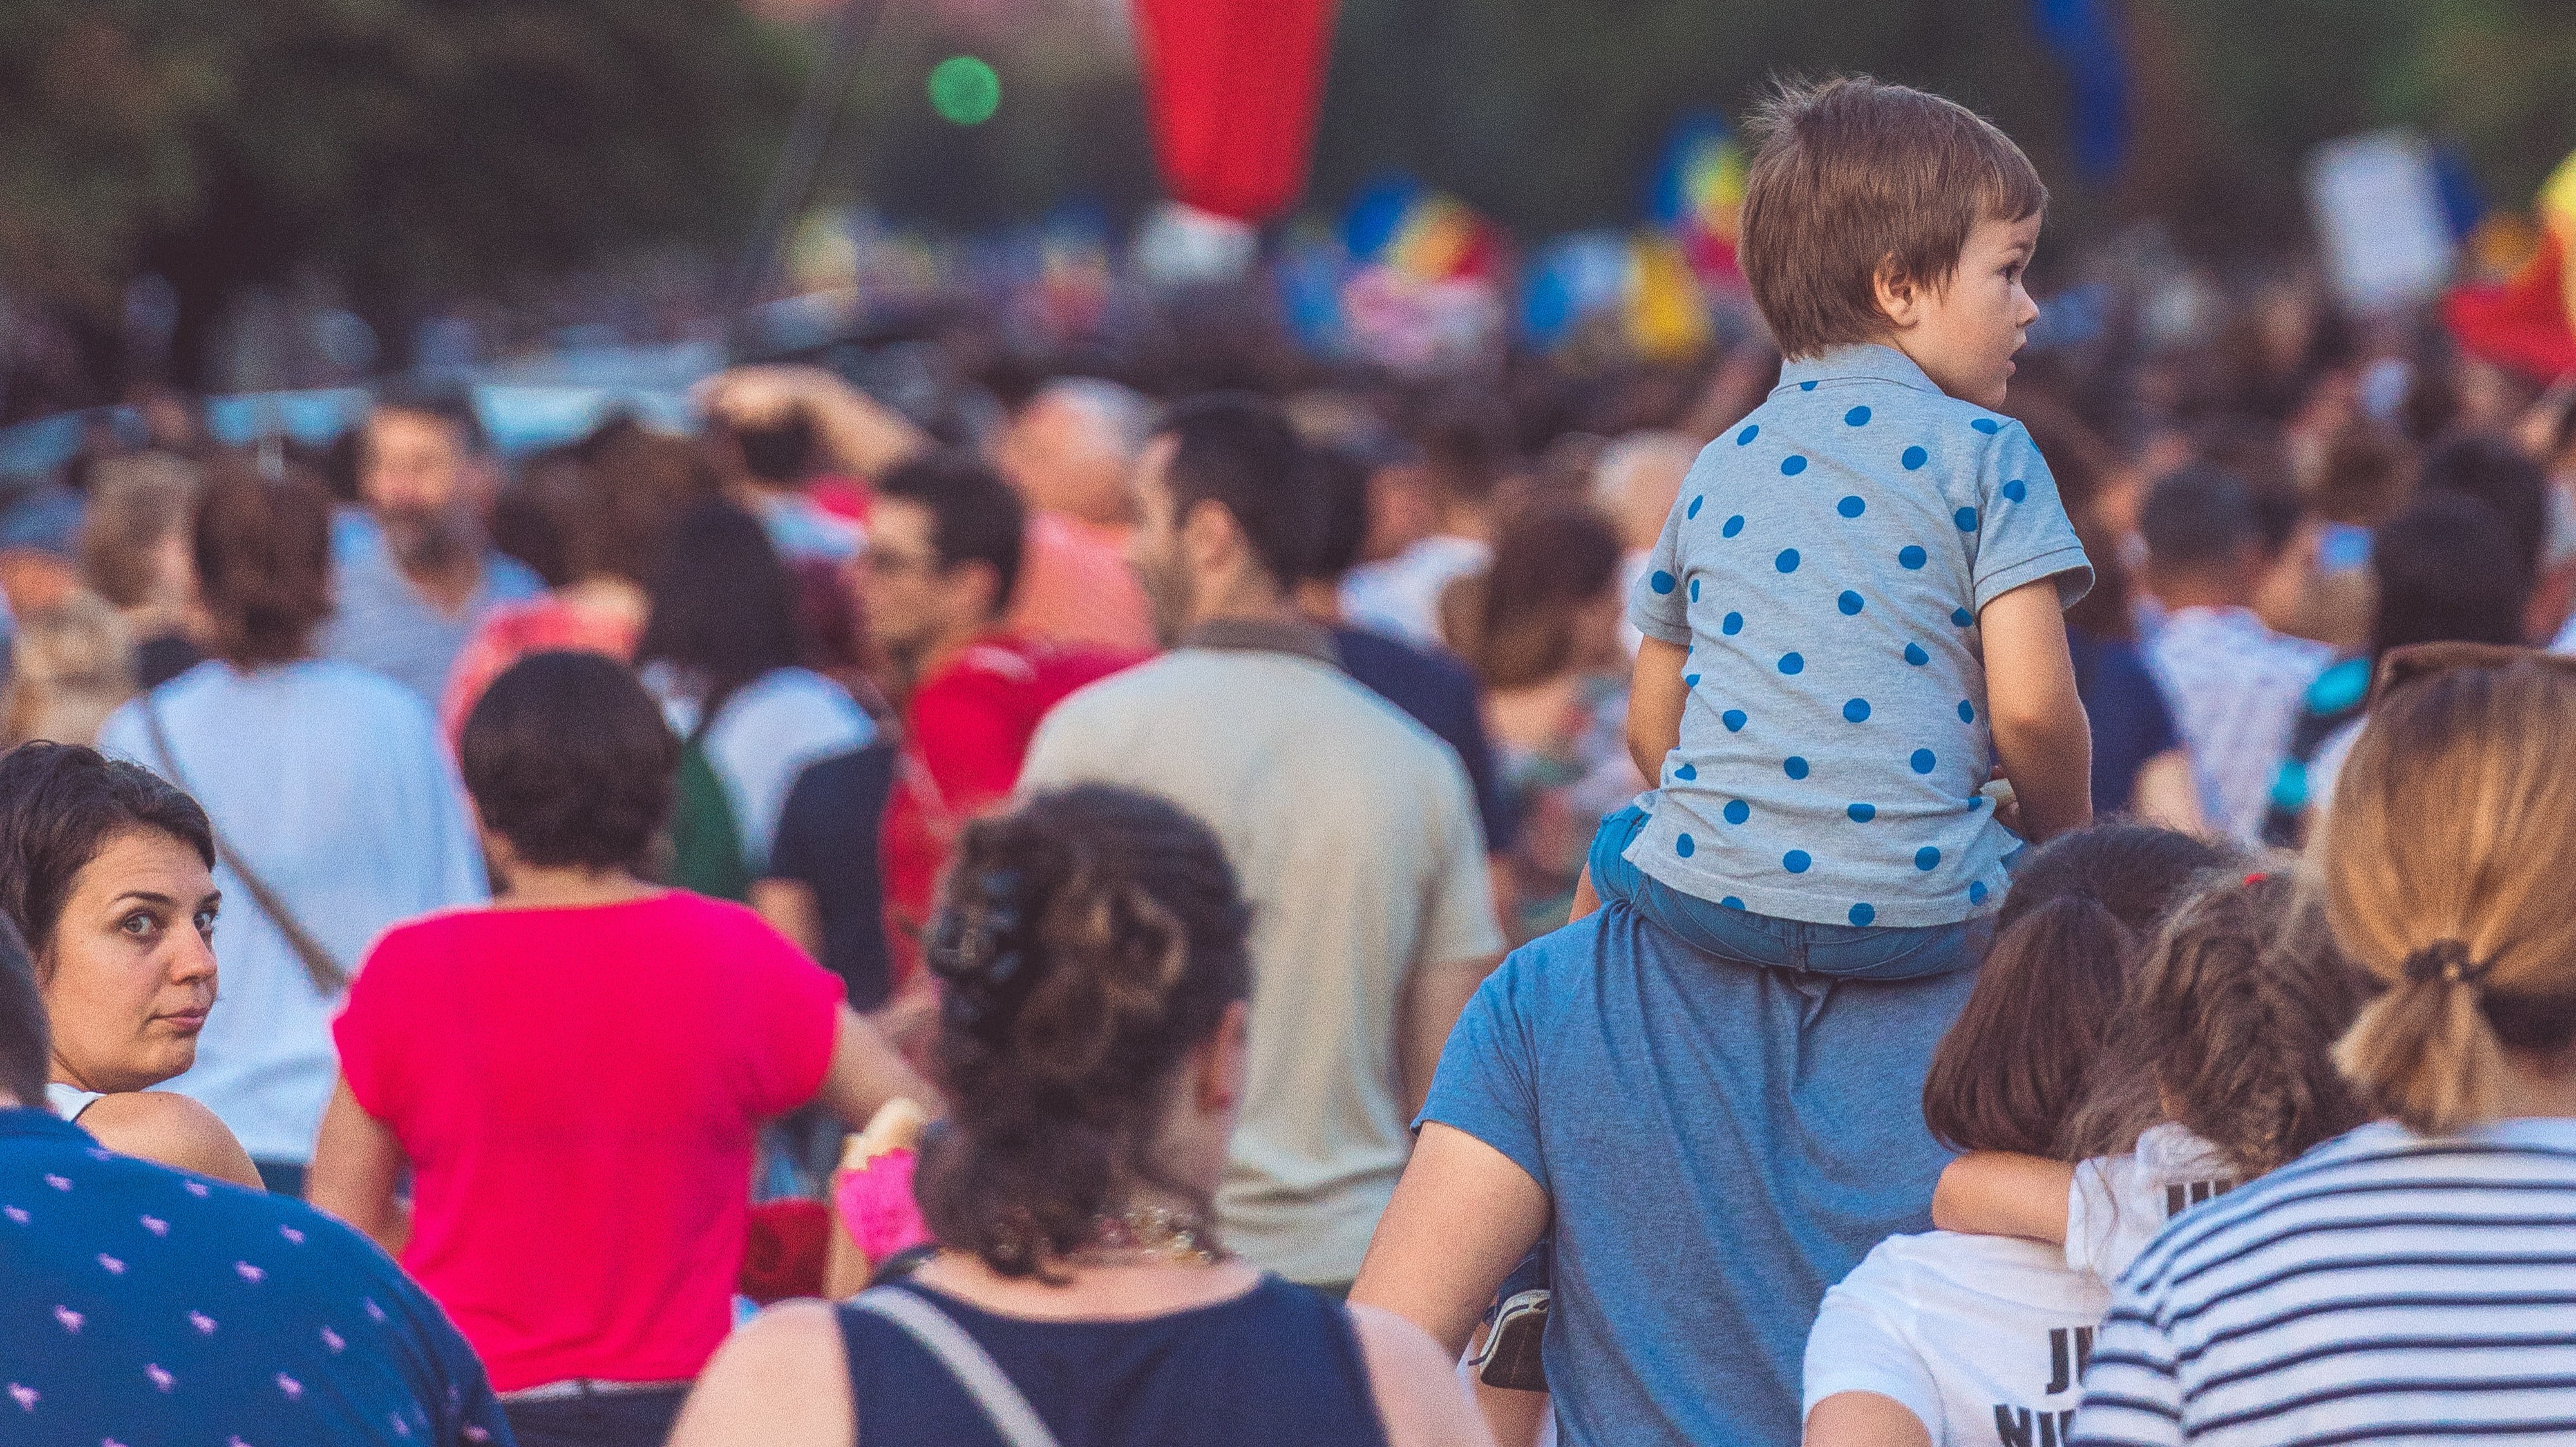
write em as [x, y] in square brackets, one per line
[325, 972]
[967, 1361]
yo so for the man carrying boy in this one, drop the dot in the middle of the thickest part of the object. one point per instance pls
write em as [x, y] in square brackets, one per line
[1708, 1098]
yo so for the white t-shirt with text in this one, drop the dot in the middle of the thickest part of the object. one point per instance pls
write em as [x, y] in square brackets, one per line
[2119, 1203]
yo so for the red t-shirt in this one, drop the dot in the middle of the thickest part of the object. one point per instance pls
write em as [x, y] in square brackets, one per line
[966, 732]
[578, 1091]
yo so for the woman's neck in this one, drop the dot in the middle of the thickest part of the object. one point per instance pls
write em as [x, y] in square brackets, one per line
[568, 886]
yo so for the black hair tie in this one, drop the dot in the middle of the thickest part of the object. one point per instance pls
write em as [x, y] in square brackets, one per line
[2447, 961]
[978, 947]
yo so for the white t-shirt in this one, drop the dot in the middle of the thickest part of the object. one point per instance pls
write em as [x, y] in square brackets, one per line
[1982, 1338]
[2119, 1203]
[1401, 595]
[763, 738]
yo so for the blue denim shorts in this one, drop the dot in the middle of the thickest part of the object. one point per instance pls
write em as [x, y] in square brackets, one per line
[1842, 951]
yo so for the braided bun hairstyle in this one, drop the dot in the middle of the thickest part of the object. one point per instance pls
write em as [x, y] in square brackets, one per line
[2446, 865]
[1088, 940]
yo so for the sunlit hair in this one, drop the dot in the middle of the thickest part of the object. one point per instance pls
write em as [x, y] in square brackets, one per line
[2446, 865]
[2228, 1029]
[1853, 174]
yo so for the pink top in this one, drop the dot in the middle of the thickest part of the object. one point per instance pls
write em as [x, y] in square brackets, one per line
[578, 1091]
[1075, 587]
[512, 631]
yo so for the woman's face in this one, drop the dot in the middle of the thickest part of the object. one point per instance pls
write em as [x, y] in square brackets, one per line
[130, 971]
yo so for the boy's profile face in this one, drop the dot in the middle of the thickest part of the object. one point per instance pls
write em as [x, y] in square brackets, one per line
[1963, 335]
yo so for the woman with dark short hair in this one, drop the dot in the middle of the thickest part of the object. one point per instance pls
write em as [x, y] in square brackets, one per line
[574, 1077]
[333, 807]
[107, 873]
[1092, 1038]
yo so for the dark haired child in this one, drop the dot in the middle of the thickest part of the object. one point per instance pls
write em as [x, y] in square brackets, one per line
[2219, 1069]
[1854, 614]
[1967, 1335]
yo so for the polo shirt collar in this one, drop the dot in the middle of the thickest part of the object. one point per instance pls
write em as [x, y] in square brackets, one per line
[30, 1121]
[1297, 636]
[1866, 360]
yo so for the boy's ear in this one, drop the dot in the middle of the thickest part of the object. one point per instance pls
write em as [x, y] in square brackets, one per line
[1900, 297]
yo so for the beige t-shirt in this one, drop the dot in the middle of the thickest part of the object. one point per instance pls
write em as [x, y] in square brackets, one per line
[1355, 837]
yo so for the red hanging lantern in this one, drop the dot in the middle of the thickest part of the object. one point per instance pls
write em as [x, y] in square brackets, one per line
[1232, 88]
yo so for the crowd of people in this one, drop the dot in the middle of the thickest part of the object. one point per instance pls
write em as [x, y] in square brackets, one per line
[1869, 890]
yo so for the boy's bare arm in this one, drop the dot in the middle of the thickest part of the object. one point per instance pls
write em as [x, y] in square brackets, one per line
[2042, 737]
[1655, 697]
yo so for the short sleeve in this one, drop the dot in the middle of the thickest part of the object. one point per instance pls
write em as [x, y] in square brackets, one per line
[375, 1022]
[1486, 1085]
[2133, 1385]
[1854, 1347]
[1458, 916]
[804, 827]
[2022, 533]
[1658, 607]
[790, 1019]
[2092, 1210]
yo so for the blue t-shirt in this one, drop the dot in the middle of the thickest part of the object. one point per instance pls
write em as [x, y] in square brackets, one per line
[139, 1304]
[1826, 563]
[2131, 723]
[1720, 1142]
[1441, 695]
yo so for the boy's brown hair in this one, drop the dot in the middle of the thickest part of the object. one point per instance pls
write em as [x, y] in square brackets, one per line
[1853, 174]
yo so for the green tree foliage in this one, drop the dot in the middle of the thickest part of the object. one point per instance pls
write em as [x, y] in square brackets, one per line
[402, 146]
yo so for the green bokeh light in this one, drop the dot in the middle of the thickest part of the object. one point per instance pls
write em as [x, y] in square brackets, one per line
[965, 90]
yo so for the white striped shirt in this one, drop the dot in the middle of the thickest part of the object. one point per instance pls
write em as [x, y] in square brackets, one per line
[2386, 1287]
[2235, 688]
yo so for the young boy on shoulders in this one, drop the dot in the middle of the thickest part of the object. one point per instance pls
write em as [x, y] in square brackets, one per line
[1853, 619]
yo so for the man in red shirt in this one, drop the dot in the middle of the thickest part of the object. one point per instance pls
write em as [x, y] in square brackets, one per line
[945, 536]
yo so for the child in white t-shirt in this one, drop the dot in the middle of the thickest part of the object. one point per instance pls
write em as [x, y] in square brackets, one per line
[2220, 1068]
[1982, 1339]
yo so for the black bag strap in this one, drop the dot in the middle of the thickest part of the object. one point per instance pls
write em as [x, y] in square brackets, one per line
[328, 977]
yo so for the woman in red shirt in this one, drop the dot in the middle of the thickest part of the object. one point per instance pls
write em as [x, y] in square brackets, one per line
[576, 1075]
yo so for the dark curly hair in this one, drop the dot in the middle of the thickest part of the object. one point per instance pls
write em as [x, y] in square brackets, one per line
[263, 556]
[1089, 940]
[60, 804]
[568, 758]
[2016, 1065]
[2228, 1029]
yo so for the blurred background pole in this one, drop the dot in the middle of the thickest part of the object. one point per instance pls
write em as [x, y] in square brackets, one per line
[794, 173]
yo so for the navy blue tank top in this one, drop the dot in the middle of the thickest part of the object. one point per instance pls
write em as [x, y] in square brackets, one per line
[1278, 1366]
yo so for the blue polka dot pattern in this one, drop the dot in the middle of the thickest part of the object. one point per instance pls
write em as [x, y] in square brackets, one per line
[1912, 558]
[1792, 465]
[1806, 386]
[1856, 710]
[1856, 417]
[1748, 434]
[1977, 892]
[1862, 914]
[1923, 761]
[1966, 518]
[1663, 582]
[1967, 711]
[1914, 458]
[1976, 802]
[1731, 624]
[1787, 562]
[1862, 813]
[1794, 767]
[1987, 425]
[1685, 846]
[1733, 526]
[1694, 590]
[2016, 490]
[1733, 718]
[1690, 680]
[1850, 603]
[1793, 664]
[1915, 655]
[1797, 861]
[1927, 859]
[1851, 507]
[1686, 772]
[1961, 618]
[1737, 811]
[1694, 507]
[1731, 902]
